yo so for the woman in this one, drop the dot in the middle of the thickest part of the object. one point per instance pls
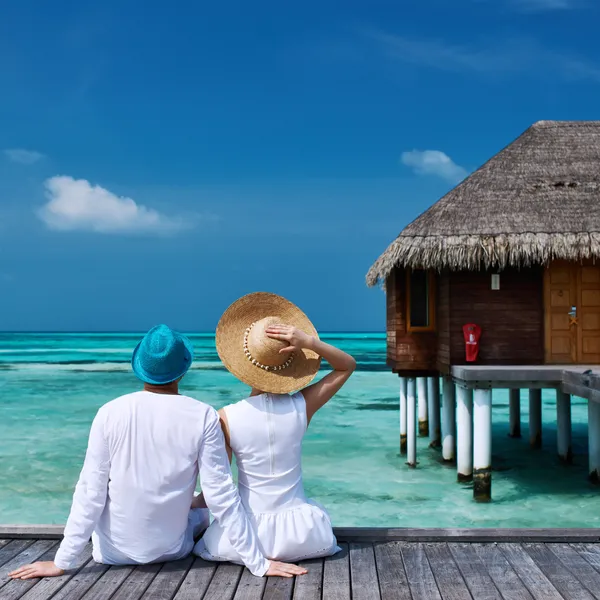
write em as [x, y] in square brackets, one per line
[269, 344]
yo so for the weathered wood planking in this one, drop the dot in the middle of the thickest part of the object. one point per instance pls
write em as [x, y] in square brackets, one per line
[384, 570]
[197, 580]
[421, 581]
[336, 575]
[393, 583]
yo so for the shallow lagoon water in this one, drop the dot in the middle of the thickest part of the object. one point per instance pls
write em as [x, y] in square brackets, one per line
[52, 384]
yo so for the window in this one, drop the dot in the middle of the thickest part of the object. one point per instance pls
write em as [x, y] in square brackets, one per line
[419, 301]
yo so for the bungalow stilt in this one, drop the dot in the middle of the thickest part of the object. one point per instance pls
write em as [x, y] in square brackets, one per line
[411, 422]
[448, 419]
[514, 411]
[433, 409]
[535, 418]
[594, 441]
[464, 434]
[563, 425]
[403, 407]
[422, 406]
[482, 445]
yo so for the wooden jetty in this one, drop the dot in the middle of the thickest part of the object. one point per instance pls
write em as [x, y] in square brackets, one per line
[375, 564]
[511, 256]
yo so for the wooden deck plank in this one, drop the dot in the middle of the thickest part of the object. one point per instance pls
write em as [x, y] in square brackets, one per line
[310, 586]
[4, 542]
[10, 550]
[197, 580]
[591, 553]
[108, 584]
[363, 572]
[279, 588]
[224, 582]
[474, 572]
[137, 583]
[76, 588]
[165, 585]
[450, 582]
[558, 574]
[250, 587]
[29, 554]
[336, 575]
[46, 588]
[503, 575]
[533, 578]
[393, 583]
[424, 534]
[421, 581]
[579, 566]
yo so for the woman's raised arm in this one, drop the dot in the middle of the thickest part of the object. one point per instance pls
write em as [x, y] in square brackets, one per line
[317, 394]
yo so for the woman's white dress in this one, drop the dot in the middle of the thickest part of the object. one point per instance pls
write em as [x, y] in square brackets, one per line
[266, 433]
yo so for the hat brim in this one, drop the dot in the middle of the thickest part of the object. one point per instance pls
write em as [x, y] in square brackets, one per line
[230, 343]
[144, 376]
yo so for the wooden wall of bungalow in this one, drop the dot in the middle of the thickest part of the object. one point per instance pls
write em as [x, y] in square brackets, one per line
[426, 312]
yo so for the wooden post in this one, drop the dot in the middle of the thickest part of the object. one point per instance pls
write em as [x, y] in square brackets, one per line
[433, 401]
[402, 415]
[563, 425]
[464, 433]
[594, 441]
[449, 419]
[422, 405]
[482, 445]
[514, 419]
[411, 422]
[535, 418]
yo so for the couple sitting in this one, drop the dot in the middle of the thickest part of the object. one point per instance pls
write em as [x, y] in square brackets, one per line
[135, 495]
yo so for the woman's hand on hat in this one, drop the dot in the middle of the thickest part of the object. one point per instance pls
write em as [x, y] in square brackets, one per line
[296, 338]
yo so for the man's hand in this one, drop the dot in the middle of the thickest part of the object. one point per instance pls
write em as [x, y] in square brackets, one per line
[281, 569]
[37, 569]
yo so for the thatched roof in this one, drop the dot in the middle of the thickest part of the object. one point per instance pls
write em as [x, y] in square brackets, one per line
[536, 200]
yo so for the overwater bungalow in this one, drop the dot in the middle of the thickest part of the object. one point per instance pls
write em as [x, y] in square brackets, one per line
[498, 285]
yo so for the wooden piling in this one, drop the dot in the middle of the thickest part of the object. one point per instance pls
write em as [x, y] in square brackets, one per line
[482, 445]
[422, 406]
[448, 419]
[563, 424]
[464, 433]
[403, 407]
[411, 422]
[535, 418]
[433, 402]
[514, 407]
[594, 441]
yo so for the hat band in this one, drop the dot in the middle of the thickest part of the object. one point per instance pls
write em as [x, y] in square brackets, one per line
[249, 356]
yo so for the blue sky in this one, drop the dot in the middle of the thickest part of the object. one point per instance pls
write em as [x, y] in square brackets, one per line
[158, 160]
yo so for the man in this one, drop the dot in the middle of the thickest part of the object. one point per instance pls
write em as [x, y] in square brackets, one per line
[144, 454]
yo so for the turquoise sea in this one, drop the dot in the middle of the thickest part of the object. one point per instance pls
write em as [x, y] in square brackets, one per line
[52, 384]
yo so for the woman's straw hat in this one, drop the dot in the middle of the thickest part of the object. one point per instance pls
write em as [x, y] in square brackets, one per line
[253, 357]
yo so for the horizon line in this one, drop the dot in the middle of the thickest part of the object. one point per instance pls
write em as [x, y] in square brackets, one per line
[133, 332]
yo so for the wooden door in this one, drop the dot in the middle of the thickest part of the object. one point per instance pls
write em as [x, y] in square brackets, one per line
[572, 311]
[588, 314]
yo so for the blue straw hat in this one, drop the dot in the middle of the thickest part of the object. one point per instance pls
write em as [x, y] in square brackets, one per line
[162, 356]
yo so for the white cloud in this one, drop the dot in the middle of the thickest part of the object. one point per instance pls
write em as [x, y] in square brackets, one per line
[504, 56]
[23, 157]
[433, 162]
[76, 204]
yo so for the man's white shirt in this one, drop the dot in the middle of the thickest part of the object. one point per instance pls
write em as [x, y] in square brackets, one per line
[134, 493]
